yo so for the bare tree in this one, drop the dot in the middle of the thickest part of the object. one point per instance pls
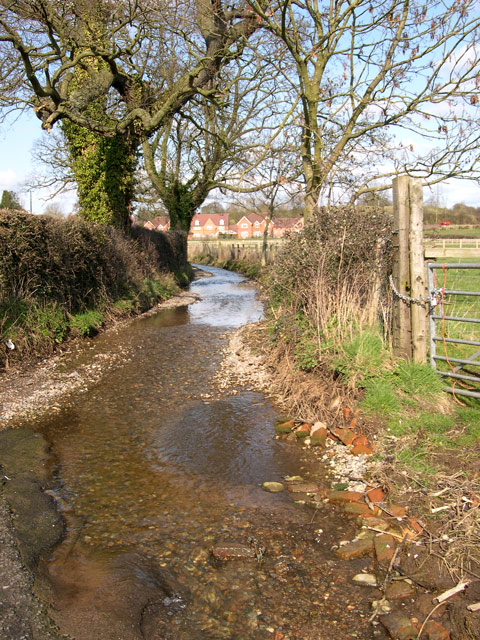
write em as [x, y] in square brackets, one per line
[119, 70]
[220, 142]
[371, 72]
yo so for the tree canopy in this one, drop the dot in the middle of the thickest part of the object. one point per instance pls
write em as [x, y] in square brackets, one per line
[373, 88]
[10, 201]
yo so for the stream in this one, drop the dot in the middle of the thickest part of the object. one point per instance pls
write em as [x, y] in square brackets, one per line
[156, 467]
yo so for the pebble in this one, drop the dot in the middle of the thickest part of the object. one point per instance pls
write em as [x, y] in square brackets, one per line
[382, 606]
[366, 579]
[273, 487]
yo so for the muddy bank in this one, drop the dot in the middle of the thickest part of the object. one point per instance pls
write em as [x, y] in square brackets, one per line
[30, 527]
[30, 393]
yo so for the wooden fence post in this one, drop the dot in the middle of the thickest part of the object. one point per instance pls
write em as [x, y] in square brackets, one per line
[402, 329]
[417, 272]
[409, 319]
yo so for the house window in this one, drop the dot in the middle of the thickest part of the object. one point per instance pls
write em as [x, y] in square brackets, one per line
[209, 226]
[244, 234]
[257, 224]
[221, 222]
[244, 225]
[197, 223]
[257, 234]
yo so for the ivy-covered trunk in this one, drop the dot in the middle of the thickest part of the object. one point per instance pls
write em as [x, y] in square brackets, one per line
[104, 171]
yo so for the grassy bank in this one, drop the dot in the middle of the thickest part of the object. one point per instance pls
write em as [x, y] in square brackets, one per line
[67, 278]
[327, 340]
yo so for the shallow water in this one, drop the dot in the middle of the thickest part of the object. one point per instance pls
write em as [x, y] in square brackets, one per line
[156, 466]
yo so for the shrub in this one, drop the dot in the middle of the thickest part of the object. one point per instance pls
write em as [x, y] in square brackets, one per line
[332, 277]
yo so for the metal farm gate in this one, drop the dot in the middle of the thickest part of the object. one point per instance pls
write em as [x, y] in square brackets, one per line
[454, 319]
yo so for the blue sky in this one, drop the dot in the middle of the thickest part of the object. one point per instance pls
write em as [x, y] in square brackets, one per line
[17, 137]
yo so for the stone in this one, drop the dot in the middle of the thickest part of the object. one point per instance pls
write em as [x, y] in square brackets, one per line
[303, 487]
[399, 626]
[284, 427]
[354, 549]
[293, 479]
[360, 509]
[273, 487]
[384, 547]
[381, 606]
[318, 438]
[399, 589]
[340, 497]
[366, 579]
[376, 523]
[318, 426]
[344, 435]
[303, 431]
[232, 550]
[435, 631]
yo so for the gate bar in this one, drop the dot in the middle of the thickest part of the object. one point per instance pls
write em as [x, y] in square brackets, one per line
[473, 343]
[477, 320]
[458, 360]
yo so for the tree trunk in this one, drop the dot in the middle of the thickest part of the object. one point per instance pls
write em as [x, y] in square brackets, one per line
[103, 169]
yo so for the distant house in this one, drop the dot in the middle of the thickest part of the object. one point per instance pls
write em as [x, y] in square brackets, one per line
[252, 226]
[282, 226]
[209, 225]
[160, 223]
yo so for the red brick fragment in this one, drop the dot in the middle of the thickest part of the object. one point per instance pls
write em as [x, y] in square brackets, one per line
[360, 509]
[344, 435]
[435, 631]
[384, 547]
[355, 549]
[340, 497]
[303, 431]
[319, 437]
[415, 525]
[360, 439]
[396, 510]
[360, 449]
[376, 495]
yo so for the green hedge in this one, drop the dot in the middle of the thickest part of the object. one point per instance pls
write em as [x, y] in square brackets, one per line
[54, 270]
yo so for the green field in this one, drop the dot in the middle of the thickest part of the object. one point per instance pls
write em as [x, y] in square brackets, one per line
[449, 232]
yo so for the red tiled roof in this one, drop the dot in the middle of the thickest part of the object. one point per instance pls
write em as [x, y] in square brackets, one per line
[285, 223]
[203, 218]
